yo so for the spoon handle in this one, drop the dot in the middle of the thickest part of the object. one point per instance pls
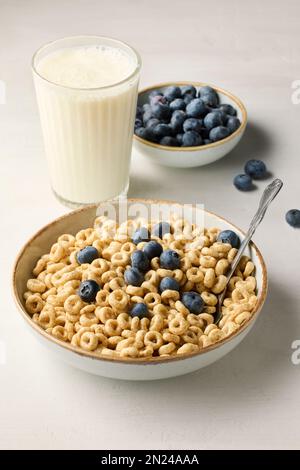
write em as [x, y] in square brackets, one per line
[269, 194]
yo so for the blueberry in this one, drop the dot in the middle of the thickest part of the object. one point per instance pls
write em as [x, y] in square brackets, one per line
[177, 104]
[142, 133]
[177, 120]
[161, 130]
[193, 302]
[141, 235]
[196, 108]
[243, 182]
[228, 236]
[218, 133]
[138, 123]
[87, 290]
[139, 310]
[228, 109]
[168, 283]
[161, 111]
[209, 96]
[87, 255]
[133, 277]
[188, 90]
[212, 120]
[168, 141]
[152, 122]
[233, 123]
[191, 139]
[224, 117]
[293, 218]
[207, 141]
[169, 259]
[161, 229]
[172, 92]
[146, 134]
[140, 260]
[188, 98]
[158, 99]
[152, 249]
[192, 124]
[179, 139]
[147, 115]
[256, 169]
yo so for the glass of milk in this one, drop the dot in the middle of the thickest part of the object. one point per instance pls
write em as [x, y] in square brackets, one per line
[86, 89]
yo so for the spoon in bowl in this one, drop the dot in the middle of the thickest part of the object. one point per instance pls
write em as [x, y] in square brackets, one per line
[269, 194]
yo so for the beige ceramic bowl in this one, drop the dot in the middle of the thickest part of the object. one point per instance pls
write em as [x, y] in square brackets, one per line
[130, 369]
[187, 157]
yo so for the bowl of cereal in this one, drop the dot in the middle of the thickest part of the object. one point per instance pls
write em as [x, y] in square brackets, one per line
[129, 290]
[187, 124]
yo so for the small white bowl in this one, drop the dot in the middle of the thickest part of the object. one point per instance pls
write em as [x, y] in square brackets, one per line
[187, 157]
[126, 368]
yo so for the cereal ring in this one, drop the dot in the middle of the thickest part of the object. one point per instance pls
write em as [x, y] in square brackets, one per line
[118, 299]
[36, 286]
[188, 348]
[112, 328]
[153, 339]
[34, 303]
[73, 304]
[178, 326]
[88, 341]
[167, 349]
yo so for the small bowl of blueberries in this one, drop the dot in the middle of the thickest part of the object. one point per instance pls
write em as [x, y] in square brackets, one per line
[187, 124]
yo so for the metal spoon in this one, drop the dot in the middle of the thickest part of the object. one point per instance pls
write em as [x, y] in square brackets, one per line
[269, 194]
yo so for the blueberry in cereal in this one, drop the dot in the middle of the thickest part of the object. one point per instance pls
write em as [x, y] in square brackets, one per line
[88, 290]
[139, 260]
[87, 254]
[169, 283]
[139, 310]
[133, 277]
[153, 249]
[229, 236]
[193, 302]
[169, 259]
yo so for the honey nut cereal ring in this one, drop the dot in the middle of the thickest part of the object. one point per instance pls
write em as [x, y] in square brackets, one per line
[112, 341]
[152, 299]
[118, 299]
[112, 328]
[157, 323]
[188, 348]
[124, 321]
[105, 313]
[178, 326]
[51, 291]
[88, 319]
[88, 341]
[148, 287]
[73, 304]
[190, 337]
[168, 295]
[120, 259]
[152, 276]
[232, 254]
[167, 349]
[134, 291]
[125, 343]
[39, 267]
[146, 352]
[60, 333]
[131, 351]
[34, 303]
[108, 276]
[85, 237]
[209, 298]
[66, 240]
[116, 283]
[102, 298]
[36, 286]
[209, 278]
[170, 337]
[181, 308]
[57, 252]
[47, 317]
[153, 339]
[220, 284]
[144, 324]
[242, 318]
[205, 341]
[194, 274]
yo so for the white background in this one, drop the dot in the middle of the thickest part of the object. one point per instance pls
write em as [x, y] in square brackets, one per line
[249, 399]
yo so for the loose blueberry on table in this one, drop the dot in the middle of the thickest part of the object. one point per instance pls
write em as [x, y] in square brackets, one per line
[185, 117]
[293, 218]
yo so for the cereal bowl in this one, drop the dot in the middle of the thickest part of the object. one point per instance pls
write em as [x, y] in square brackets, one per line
[130, 368]
[187, 157]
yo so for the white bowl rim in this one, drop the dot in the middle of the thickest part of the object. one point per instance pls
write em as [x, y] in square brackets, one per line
[137, 361]
[230, 95]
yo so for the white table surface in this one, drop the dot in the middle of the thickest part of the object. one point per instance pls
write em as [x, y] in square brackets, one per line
[249, 399]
